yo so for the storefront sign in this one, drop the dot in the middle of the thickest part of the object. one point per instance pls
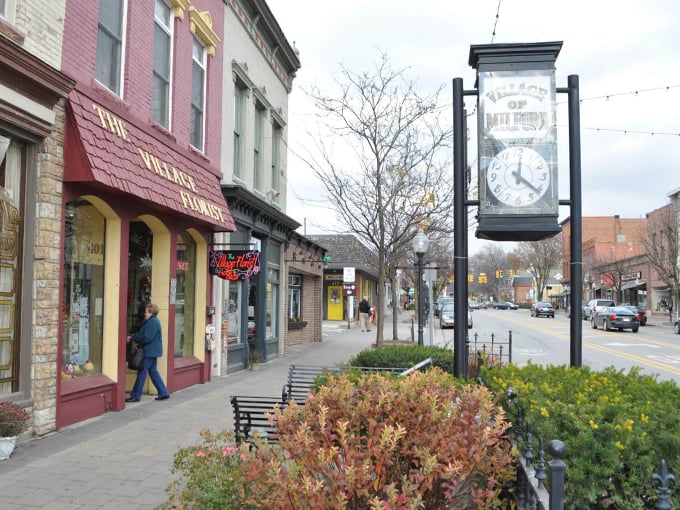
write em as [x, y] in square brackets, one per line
[234, 265]
[184, 182]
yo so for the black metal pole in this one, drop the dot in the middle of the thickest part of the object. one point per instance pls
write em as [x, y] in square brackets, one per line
[576, 324]
[420, 298]
[460, 231]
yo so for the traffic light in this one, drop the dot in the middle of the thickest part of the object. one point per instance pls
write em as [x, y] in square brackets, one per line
[471, 277]
[499, 274]
[482, 278]
[511, 273]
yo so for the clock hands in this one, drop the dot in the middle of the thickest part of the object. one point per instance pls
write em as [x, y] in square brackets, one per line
[518, 176]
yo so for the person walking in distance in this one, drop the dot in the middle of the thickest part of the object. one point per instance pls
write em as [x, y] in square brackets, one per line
[364, 311]
[150, 339]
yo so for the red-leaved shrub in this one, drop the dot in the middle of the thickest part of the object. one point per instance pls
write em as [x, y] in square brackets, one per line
[422, 441]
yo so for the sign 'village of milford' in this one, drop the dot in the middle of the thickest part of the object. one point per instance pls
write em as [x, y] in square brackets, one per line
[508, 116]
[154, 164]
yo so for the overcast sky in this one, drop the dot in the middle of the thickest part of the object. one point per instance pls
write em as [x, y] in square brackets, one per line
[615, 46]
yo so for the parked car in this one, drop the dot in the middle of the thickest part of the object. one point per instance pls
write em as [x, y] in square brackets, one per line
[542, 309]
[439, 303]
[640, 311]
[505, 305]
[473, 304]
[595, 304]
[446, 317]
[676, 327]
[616, 317]
[584, 305]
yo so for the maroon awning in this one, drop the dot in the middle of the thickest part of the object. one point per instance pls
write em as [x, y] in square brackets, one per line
[103, 146]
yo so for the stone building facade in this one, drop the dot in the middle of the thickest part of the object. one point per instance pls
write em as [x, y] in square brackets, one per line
[32, 99]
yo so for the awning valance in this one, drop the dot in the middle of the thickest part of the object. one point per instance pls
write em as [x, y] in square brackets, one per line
[104, 147]
[632, 285]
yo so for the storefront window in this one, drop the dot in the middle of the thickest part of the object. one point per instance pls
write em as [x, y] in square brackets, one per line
[272, 302]
[185, 304]
[294, 297]
[12, 160]
[83, 298]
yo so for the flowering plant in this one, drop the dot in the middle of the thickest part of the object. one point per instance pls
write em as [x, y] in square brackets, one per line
[255, 357]
[14, 419]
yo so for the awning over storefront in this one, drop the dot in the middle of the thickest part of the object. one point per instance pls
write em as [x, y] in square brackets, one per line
[632, 285]
[104, 147]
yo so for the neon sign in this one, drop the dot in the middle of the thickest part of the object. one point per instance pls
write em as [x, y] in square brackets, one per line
[234, 265]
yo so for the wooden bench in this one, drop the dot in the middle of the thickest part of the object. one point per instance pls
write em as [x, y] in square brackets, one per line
[250, 416]
[301, 378]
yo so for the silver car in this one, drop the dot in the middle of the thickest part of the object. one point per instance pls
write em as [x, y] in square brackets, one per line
[446, 319]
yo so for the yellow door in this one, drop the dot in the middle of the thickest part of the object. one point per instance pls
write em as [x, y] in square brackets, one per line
[334, 303]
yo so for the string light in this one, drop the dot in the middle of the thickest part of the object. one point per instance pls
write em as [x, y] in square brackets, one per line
[495, 24]
[626, 131]
[636, 93]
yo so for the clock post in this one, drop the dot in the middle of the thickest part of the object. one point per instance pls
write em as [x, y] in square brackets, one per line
[518, 193]
[517, 142]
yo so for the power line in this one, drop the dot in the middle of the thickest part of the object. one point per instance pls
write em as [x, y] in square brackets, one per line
[495, 23]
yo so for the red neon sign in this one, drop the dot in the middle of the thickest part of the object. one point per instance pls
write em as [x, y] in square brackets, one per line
[234, 265]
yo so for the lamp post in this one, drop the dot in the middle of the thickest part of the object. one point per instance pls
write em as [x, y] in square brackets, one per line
[420, 243]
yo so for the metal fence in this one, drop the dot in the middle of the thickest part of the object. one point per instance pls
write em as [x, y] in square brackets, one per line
[533, 470]
[487, 351]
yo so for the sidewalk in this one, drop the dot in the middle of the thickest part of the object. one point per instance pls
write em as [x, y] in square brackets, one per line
[122, 460]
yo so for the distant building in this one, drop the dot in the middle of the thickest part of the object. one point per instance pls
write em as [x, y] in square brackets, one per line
[347, 251]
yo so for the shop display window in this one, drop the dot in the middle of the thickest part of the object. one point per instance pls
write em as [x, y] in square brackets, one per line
[83, 296]
[185, 303]
[272, 303]
[231, 311]
[294, 298]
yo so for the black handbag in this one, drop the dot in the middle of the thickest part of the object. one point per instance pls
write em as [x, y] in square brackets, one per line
[136, 359]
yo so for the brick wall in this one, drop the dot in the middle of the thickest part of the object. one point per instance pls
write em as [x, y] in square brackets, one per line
[312, 302]
[42, 22]
[79, 59]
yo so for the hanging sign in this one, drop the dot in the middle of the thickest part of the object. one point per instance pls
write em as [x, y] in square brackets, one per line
[234, 264]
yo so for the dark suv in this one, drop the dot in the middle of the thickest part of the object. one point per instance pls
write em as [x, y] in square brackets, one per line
[594, 305]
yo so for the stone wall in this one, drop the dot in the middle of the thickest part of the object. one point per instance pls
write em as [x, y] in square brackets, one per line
[48, 260]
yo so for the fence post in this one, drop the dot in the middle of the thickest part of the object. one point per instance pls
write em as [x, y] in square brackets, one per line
[557, 450]
[413, 338]
[663, 493]
[510, 347]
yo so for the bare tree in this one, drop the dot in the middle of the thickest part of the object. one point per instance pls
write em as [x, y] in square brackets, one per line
[614, 272]
[660, 240]
[487, 261]
[540, 258]
[391, 175]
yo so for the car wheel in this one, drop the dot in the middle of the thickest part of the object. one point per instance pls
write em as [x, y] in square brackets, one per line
[635, 330]
[677, 328]
[593, 325]
[470, 326]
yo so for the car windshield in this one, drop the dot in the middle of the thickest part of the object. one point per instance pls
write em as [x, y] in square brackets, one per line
[543, 304]
[447, 307]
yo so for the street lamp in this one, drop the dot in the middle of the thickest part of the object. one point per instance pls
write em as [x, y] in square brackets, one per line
[420, 243]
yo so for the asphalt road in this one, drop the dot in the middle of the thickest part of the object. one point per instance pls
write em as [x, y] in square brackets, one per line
[546, 341]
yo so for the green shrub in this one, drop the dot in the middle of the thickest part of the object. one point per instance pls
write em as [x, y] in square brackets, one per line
[381, 443]
[613, 424]
[404, 356]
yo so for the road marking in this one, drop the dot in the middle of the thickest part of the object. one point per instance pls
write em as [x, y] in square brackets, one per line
[674, 360]
[616, 344]
[648, 361]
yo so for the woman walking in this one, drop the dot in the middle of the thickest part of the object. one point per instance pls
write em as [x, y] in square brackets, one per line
[150, 340]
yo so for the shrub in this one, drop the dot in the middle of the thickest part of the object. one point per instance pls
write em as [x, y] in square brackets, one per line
[613, 424]
[420, 441]
[209, 473]
[404, 356]
[14, 420]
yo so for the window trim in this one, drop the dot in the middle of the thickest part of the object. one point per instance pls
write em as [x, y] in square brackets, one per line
[258, 139]
[123, 37]
[291, 287]
[10, 12]
[204, 64]
[239, 128]
[170, 31]
[277, 137]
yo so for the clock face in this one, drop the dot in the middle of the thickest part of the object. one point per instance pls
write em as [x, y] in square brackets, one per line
[518, 177]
